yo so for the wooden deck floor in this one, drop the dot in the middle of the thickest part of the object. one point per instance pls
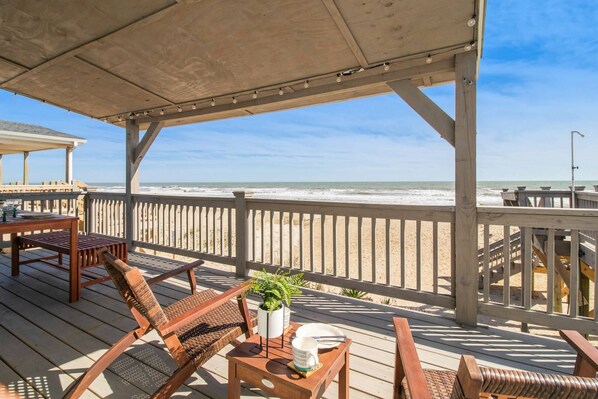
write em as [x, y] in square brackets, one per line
[45, 342]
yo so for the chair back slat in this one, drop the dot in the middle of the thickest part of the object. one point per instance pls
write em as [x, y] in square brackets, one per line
[134, 289]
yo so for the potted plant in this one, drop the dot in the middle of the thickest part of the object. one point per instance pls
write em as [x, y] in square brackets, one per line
[275, 290]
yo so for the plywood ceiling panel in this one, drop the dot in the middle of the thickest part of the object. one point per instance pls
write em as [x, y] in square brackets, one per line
[218, 47]
[86, 89]
[387, 29]
[35, 31]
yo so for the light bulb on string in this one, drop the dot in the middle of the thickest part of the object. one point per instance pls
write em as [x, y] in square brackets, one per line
[179, 109]
[339, 78]
[255, 94]
[213, 102]
[194, 106]
[429, 59]
[161, 112]
[306, 84]
[471, 22]
[234, 100]
[280, 92]
[386, 67]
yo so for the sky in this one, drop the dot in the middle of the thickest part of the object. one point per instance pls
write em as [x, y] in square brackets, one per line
[538, 81]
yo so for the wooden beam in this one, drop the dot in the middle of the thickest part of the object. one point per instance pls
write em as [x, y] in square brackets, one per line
[86, 46]
[426, 108]
[131, 180]
[340, 22]
[26, 167]
[346, 85]
[147, 140]
[466, 229]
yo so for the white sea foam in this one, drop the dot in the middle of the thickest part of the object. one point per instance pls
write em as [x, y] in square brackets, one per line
[409, 193]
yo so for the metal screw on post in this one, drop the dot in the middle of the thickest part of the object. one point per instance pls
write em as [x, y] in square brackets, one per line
[573, 167]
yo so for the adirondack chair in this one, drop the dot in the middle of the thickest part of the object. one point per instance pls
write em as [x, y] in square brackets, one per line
[194, 329]
[472, 382]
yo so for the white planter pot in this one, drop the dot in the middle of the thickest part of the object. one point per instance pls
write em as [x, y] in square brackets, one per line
[287, 317]
[270, 328]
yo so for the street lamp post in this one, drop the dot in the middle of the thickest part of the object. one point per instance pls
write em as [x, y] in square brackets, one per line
[573, 167]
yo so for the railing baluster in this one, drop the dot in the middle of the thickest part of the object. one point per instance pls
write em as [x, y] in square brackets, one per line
[527, 272]
[550, 283]
[291, 214]
[359, 260]
[280, 245]
[262, 212]
[373, 243]
[435, 257]
[418, 251]
[402, 252]
[347, 220]
[595, 235]
[213, 229]
[311, 242]
[301, 241]
[507, 266]
[229, 251]
[334, 243]
[574, 269]
[387, 247]
[221, 235]
[323, 242]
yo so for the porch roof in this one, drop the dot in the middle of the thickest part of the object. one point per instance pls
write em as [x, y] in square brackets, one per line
[187, 61]
[16, 138]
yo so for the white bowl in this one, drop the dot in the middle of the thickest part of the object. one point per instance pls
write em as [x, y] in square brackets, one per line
[318, 330]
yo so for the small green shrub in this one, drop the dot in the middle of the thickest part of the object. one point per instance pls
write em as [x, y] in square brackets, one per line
[351, 293]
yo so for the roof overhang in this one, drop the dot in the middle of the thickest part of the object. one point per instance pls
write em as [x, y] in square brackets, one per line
[18, 142]
[192, 61]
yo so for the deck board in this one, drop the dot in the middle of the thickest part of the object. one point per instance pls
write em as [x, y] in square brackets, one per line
[59, 339]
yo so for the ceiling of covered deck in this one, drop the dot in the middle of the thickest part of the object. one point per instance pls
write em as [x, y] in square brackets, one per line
[196, 60]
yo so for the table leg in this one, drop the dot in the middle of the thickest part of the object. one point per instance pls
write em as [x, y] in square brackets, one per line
[74, 266]
[14, 252]
[343, 379]
[234, 384]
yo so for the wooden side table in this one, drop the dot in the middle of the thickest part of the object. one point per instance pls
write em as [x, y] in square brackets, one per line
[247, 363]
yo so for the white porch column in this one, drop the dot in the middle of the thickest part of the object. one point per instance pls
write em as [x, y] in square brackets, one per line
[68, 174]
[26, 167]
[466, 233]
[1, 183]
[132, 179]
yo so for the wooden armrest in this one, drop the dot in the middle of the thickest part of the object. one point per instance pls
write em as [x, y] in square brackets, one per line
[202, 309]
[407, 362]
[174, 272]
[587, 355]
[469, 377]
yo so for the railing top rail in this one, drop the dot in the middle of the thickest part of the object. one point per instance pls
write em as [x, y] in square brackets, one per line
[105, 195]
[42, 195]
[183, 199]
[414, 212]
[556, 218]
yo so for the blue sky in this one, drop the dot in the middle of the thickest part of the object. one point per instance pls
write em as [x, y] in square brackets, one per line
[538, 81]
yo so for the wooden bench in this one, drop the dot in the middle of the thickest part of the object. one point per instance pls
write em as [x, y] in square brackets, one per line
[87, 252]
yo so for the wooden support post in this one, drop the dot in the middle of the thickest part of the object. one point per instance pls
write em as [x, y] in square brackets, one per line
[68, 175]
[241, 233]
[132, 180]
[1, 183]
[26, 167]
[466, 234]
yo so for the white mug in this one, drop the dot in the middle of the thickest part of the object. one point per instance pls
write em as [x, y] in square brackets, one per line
[305, 353]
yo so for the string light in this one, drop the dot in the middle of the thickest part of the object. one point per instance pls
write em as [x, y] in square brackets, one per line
[194, 106]
[469, 46]
[132, 116]
[120, 118]
[255, 94]
[213, 102]
[429, 59]
[471, 22]
[179, 109]
[386, 66]
[339, 78]
[146, 113]
[104, 119]
[162, 112]
[234, 100]
[280, 92]
[306, 84]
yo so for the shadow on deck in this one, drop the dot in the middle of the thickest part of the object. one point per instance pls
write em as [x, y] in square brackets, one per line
[48, 342]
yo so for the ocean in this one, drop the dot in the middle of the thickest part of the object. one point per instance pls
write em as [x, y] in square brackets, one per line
[407, 193]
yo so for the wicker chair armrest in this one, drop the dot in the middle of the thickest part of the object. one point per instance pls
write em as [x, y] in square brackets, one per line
[191, 315]
[174, 272]
[527, 384]
[407, 364]
[587, 355]
[469, 378]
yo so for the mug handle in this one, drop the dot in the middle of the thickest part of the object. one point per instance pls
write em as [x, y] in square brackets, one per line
[314, 357]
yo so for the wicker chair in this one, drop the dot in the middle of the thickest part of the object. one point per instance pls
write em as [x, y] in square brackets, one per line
[194, 328]
[472, 382]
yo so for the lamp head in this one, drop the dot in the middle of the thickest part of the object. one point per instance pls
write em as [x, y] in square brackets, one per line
[580, 133]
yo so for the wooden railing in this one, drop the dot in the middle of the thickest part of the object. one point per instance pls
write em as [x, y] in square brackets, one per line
[387, 250]
[395, 251]
[63, 203]
[558, 257]
[188, 226]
